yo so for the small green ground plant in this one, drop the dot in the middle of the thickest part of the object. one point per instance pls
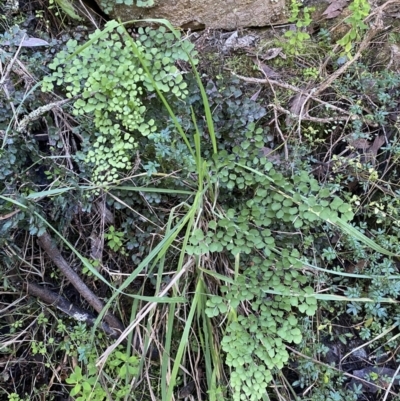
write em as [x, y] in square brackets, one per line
[302, 19]
[360, 9]
[86, 385]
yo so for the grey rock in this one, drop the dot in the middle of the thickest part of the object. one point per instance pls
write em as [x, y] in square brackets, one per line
[384, 377]
[199, 14]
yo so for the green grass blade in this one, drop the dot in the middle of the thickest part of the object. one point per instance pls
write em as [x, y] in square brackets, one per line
[111, 25]
[183, 343]
[353, 275]
[152, 190]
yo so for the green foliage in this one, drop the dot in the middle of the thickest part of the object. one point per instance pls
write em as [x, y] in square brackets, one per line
[233, 111]
[359, 11]
[255, 343]
[16, 397]
[85, 379]
[302, 19]
[259, 200]
[264, 218]
[115, 240]
[333, 388]
[67, 7]
[311, 72]
[109, 75]
[86, 386]
[145, 3]
[375, 91]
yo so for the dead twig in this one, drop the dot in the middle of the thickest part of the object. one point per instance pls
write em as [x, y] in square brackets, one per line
[8, 215]
[295, 89]
[67, 307]
[311, 96]
[278, 128]
[313, 93]
[5, 77]
[309, 118]
[46, 242]
[364, 44]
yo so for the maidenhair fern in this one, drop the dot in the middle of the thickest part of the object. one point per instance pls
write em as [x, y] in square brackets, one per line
[110, 77]
[270, 293]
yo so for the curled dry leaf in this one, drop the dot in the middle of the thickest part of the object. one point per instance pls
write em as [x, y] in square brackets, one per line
[266, 70]
[335, 8]
[378, 142]
[255, 96]
[372, 152]
[269, 72]
[394, 62]
[187, 390]
[273, 53]
[96, 247]
[369, 151]
[297, 104]
[298, 107]
[105, 213]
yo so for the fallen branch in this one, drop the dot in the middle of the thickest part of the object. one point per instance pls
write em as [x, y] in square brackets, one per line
[309, 118]
[67, 307]
[309, 96]
[51, 249]
[364, 44]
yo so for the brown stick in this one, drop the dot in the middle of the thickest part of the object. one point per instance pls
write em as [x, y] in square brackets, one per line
[67, 307]
[51, 249]
[364, 44]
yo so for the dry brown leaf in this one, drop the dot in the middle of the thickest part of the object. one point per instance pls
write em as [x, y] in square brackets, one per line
[378, 142]
[96, 247]
[273, 53]
[268, 71]
[187, 390]
[335, 8]
[358, 267]
[360, 143]
[270, 155]
[265, 69]
[297, 106]
[297, 103]
[255, 96]
[372, 152]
